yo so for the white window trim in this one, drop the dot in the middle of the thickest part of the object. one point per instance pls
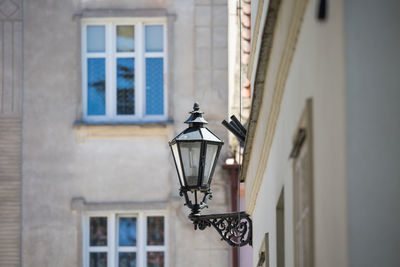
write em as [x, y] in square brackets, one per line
[112, 230]
[110, 69]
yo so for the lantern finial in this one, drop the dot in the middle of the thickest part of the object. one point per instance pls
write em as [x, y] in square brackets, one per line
[196, 117]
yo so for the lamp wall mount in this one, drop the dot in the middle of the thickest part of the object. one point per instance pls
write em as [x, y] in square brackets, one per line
[236, 128]
[235, 227]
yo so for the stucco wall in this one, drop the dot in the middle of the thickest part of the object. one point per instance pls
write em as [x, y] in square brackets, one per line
[10, 131]
[132, 164]
[373, 130]
[316, 71]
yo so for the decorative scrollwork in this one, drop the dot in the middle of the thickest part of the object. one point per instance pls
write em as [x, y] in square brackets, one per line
[202, 224]
[235, 228]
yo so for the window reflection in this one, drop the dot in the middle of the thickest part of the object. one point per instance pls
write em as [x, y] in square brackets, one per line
[155, 259]
[155, 231]
[125, 86]
[125, 38]
[154, 86]
[96, 75]
[98, 231]
[127, 259]
[96, 36]
[98, 259]
[127, 231]
[154, 38]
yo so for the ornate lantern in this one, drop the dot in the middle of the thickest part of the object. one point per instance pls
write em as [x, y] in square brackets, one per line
[195, 152]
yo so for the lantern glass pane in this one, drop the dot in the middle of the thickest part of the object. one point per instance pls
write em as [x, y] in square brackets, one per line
[211, 154]
[190, 152]
[178, 162]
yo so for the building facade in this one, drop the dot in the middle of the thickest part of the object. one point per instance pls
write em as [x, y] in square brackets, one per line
[320, 160]
[92, 91]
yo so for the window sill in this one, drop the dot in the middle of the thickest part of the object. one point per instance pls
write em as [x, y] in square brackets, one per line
[120, 130]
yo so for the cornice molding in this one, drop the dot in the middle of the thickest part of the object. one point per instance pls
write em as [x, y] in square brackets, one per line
[80, 204]
[129, 13]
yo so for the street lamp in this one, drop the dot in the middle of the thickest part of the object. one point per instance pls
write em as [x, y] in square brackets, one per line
[195, 152]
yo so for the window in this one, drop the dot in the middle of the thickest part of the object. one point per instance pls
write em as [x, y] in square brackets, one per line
[303, 204]
[124, 240]
[263, 253]
[124, 70]
[280, 231]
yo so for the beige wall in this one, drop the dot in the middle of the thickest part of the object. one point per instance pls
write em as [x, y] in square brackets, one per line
[307, 61]
[106, 165]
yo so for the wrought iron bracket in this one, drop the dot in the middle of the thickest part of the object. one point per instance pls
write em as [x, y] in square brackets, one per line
[235, 228]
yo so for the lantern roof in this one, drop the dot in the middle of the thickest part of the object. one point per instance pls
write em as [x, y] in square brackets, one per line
[196, 131]
[197, 134]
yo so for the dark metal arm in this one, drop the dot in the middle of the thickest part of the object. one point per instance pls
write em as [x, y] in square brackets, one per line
[235, 228]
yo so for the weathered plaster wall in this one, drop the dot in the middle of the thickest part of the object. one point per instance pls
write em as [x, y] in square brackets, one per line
[127, 164]
[10, 131]
[373, 130]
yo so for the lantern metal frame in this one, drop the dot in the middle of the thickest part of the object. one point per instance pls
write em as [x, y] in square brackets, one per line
[235, 227]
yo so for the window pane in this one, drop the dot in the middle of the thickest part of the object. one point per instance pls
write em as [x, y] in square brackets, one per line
[98, 231]
[98, 259]
[127, 231]
[154, 38]
[154, 86]
[125, 38]
[96, 95]
[96, 36]
[125, 86]
[155, 231]
[155, 259]
[127, 259]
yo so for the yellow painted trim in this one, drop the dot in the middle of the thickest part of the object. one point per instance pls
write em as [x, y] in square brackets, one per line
[121, 131]
[283, 72]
